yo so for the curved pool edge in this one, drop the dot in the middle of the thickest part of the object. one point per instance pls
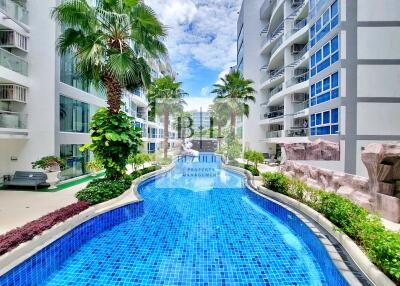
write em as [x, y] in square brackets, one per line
[316, 221]
[27, 250]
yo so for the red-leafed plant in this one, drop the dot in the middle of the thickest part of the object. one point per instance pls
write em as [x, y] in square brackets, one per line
[15, 237]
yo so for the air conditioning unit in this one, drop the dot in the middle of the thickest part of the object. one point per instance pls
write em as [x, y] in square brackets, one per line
[300, 97]
[296, 3]
[296, 48]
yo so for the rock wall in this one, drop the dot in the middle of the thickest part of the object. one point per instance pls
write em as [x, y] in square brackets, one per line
[380, 193]
[318, 150]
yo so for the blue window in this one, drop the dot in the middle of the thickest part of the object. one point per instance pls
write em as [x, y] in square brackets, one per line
[324, 123]
[325, 23]
[326, 56]
[334, 9]
[335, 44]
[327, 83]
[335, 115]
[318, 119]
[326, 49]
[335, 79]
[325, 90]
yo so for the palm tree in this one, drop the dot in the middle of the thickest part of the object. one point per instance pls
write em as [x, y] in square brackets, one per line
[111, 42]
[219, 112]
[165, 97]
[236, 92]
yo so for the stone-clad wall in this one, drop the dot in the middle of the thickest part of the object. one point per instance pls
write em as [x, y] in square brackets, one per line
[315, 151]
[380, 193]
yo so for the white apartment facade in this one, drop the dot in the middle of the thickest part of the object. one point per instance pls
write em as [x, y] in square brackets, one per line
[323, 69]
[44, 108]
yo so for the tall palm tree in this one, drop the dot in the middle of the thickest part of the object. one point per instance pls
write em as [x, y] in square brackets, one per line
[165, 97]
[111, 42]
[219, 112]
[236, 92]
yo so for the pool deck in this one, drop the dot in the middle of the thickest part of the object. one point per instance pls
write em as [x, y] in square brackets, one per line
[20, 207]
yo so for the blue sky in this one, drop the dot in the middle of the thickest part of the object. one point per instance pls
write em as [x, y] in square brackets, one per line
[201, 42]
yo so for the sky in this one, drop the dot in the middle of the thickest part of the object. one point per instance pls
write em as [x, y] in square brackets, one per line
[201, 42]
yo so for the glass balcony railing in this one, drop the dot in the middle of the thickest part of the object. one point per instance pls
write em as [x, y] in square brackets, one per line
[299, 78]
[272, 115]
[13, 62]
[15, 11]
[13, 120]
[300, 106]
[274, 134]
[267, 7]
[297, 132]
[274, 34]
[273, 74]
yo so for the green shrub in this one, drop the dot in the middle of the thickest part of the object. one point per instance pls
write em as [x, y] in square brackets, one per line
[253, 170]
[276, 182]
[49, 163]
[381, 246]
[102, 190]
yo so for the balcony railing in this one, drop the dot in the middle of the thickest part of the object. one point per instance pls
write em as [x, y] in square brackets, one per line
[277, 45]
[13, 39]
[274, 134]
[275, 90]
[13, 93]
[299, 55]
[14, 11]
[272, 115]
[297, 132]
[267, 7]
[300, 106]
[13, 120]
[13, 62]
[296, 79]
[274, 34]
[273, 74]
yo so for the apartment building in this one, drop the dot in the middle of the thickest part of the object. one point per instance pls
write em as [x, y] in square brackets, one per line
[45, 109]
[323, 69]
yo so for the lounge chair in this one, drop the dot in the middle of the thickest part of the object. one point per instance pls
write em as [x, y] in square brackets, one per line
[28, 179]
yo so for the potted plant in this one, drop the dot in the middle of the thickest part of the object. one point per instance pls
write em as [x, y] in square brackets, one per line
[52, 165]
[94, 166]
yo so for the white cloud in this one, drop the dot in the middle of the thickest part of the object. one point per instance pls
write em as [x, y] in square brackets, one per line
[195, 103]
[199, 30]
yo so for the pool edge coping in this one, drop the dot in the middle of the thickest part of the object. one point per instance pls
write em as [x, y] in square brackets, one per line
[372, 273]
[24, 251]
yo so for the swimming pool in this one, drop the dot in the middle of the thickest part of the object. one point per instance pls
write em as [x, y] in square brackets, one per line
[200, 225]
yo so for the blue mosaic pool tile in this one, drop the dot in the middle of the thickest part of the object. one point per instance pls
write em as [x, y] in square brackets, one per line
[190, 230]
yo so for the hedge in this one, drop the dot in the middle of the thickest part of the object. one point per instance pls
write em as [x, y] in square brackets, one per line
[17, 236]
[102, 190]
[382, 246]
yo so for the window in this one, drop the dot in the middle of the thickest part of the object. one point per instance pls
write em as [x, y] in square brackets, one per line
[326, 56]
[325, 90]
[325, 123]
[75, 161]
[324, 24]
[75, 115]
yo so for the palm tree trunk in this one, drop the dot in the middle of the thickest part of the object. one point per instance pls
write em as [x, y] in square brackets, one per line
[114, 93]
[233, 124]
[166, 134]
[219, 135]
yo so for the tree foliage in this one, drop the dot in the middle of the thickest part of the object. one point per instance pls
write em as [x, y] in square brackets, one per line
[113, 139]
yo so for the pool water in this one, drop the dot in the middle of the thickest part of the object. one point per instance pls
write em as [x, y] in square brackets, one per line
[200, 226]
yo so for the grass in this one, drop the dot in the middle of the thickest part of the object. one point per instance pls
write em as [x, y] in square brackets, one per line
[61, 186]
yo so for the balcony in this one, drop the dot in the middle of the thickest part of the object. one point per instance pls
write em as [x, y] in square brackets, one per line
[13, 93]
[273, 75]
[300, 106]
[13, 39]
[14, 11]
[13, 62]
[13, 120]
[271, 36]
[300, 75]
[297, 132]
[274, 134]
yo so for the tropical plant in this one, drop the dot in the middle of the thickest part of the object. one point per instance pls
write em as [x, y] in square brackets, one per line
[138, 159]
[49, 163]
[236, 92]
[94, 166]
[219, 113]
[165, 97]
[113, 139]
[112, 42]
